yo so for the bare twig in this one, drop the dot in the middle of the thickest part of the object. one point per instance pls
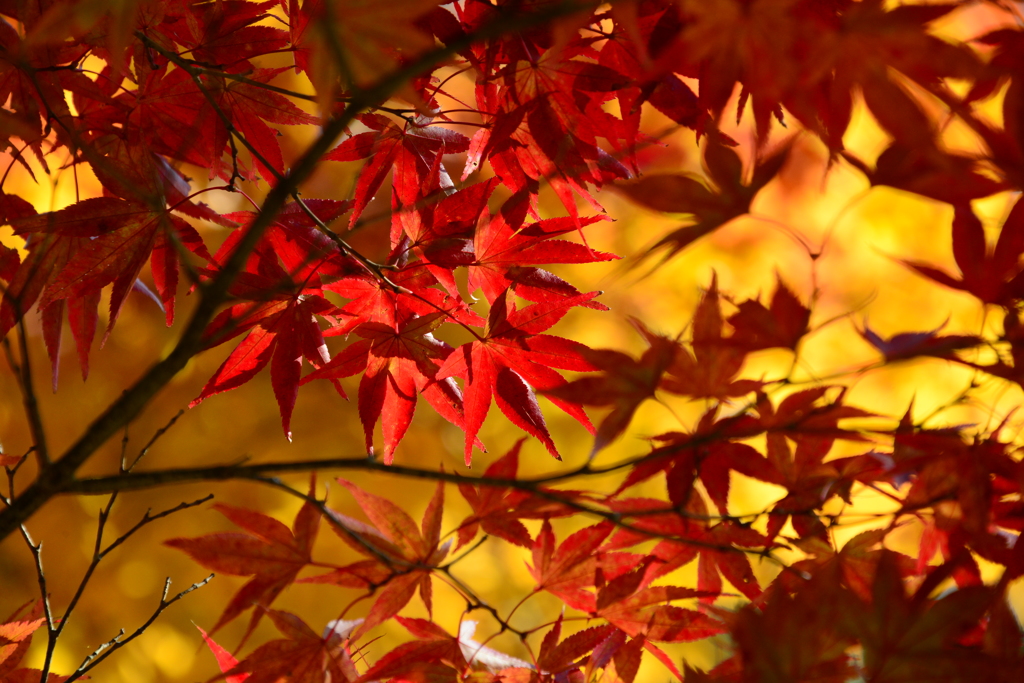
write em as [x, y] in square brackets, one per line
[118, 641]
[56, 626]
[22, 370]
[28, 394]
[156, 436]
[37, 554]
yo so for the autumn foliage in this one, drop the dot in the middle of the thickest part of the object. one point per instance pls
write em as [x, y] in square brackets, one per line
[493, 133]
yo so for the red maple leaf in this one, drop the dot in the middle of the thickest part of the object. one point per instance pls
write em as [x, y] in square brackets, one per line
[398, 363]
[434, 655]
[993, 276]
[647, 613]
[640, 34]
[497, 510]
[75, 252]
[225, 660]
[870, 44]
[371, 40]
[719, 548]
[408, 152]
[503, 248]
[568, 569]
[223, 32]
[439, 231]
[403, 555]
[90, 245]
[280, 318]
[915, 636]
[926, 170]
[792, 635]
[409, 290]
[168, 98]
[704, 454]
[302, 657]
[852, 566]
[512, 358]
[268, 551]
[559, 655]
[711, 207]
[709, 371]
[625, 384]
[813, 424]
[780, 324]
[560, 97]
[528, 143]
[34, 77]
[306, 253]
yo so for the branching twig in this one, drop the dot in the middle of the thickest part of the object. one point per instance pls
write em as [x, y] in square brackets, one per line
[54, 626]
[37, 554]
[118, 641]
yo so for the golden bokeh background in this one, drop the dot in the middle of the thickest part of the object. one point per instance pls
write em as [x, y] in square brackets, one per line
[859, 231]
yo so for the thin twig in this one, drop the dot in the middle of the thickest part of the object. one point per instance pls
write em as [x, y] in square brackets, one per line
[99, 552]
[116, 643]
[37, 553]
[22, 370]
[156, 436]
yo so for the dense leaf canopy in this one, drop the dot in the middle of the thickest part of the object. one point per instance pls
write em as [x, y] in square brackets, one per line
[488, 144]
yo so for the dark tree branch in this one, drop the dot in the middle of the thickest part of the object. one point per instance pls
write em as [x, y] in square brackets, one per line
[260, 473]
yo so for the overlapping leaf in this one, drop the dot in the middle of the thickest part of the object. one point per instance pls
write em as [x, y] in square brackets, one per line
[302, 656]
[498, 511]
[711, 207]
[76, 252]
[626, 383]
[993, 276]
[566, 570]
[402, 555]
[510, 360]
[267, 550]
[397, 364]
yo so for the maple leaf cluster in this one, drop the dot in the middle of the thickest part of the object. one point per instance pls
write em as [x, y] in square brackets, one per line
[138, 94]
